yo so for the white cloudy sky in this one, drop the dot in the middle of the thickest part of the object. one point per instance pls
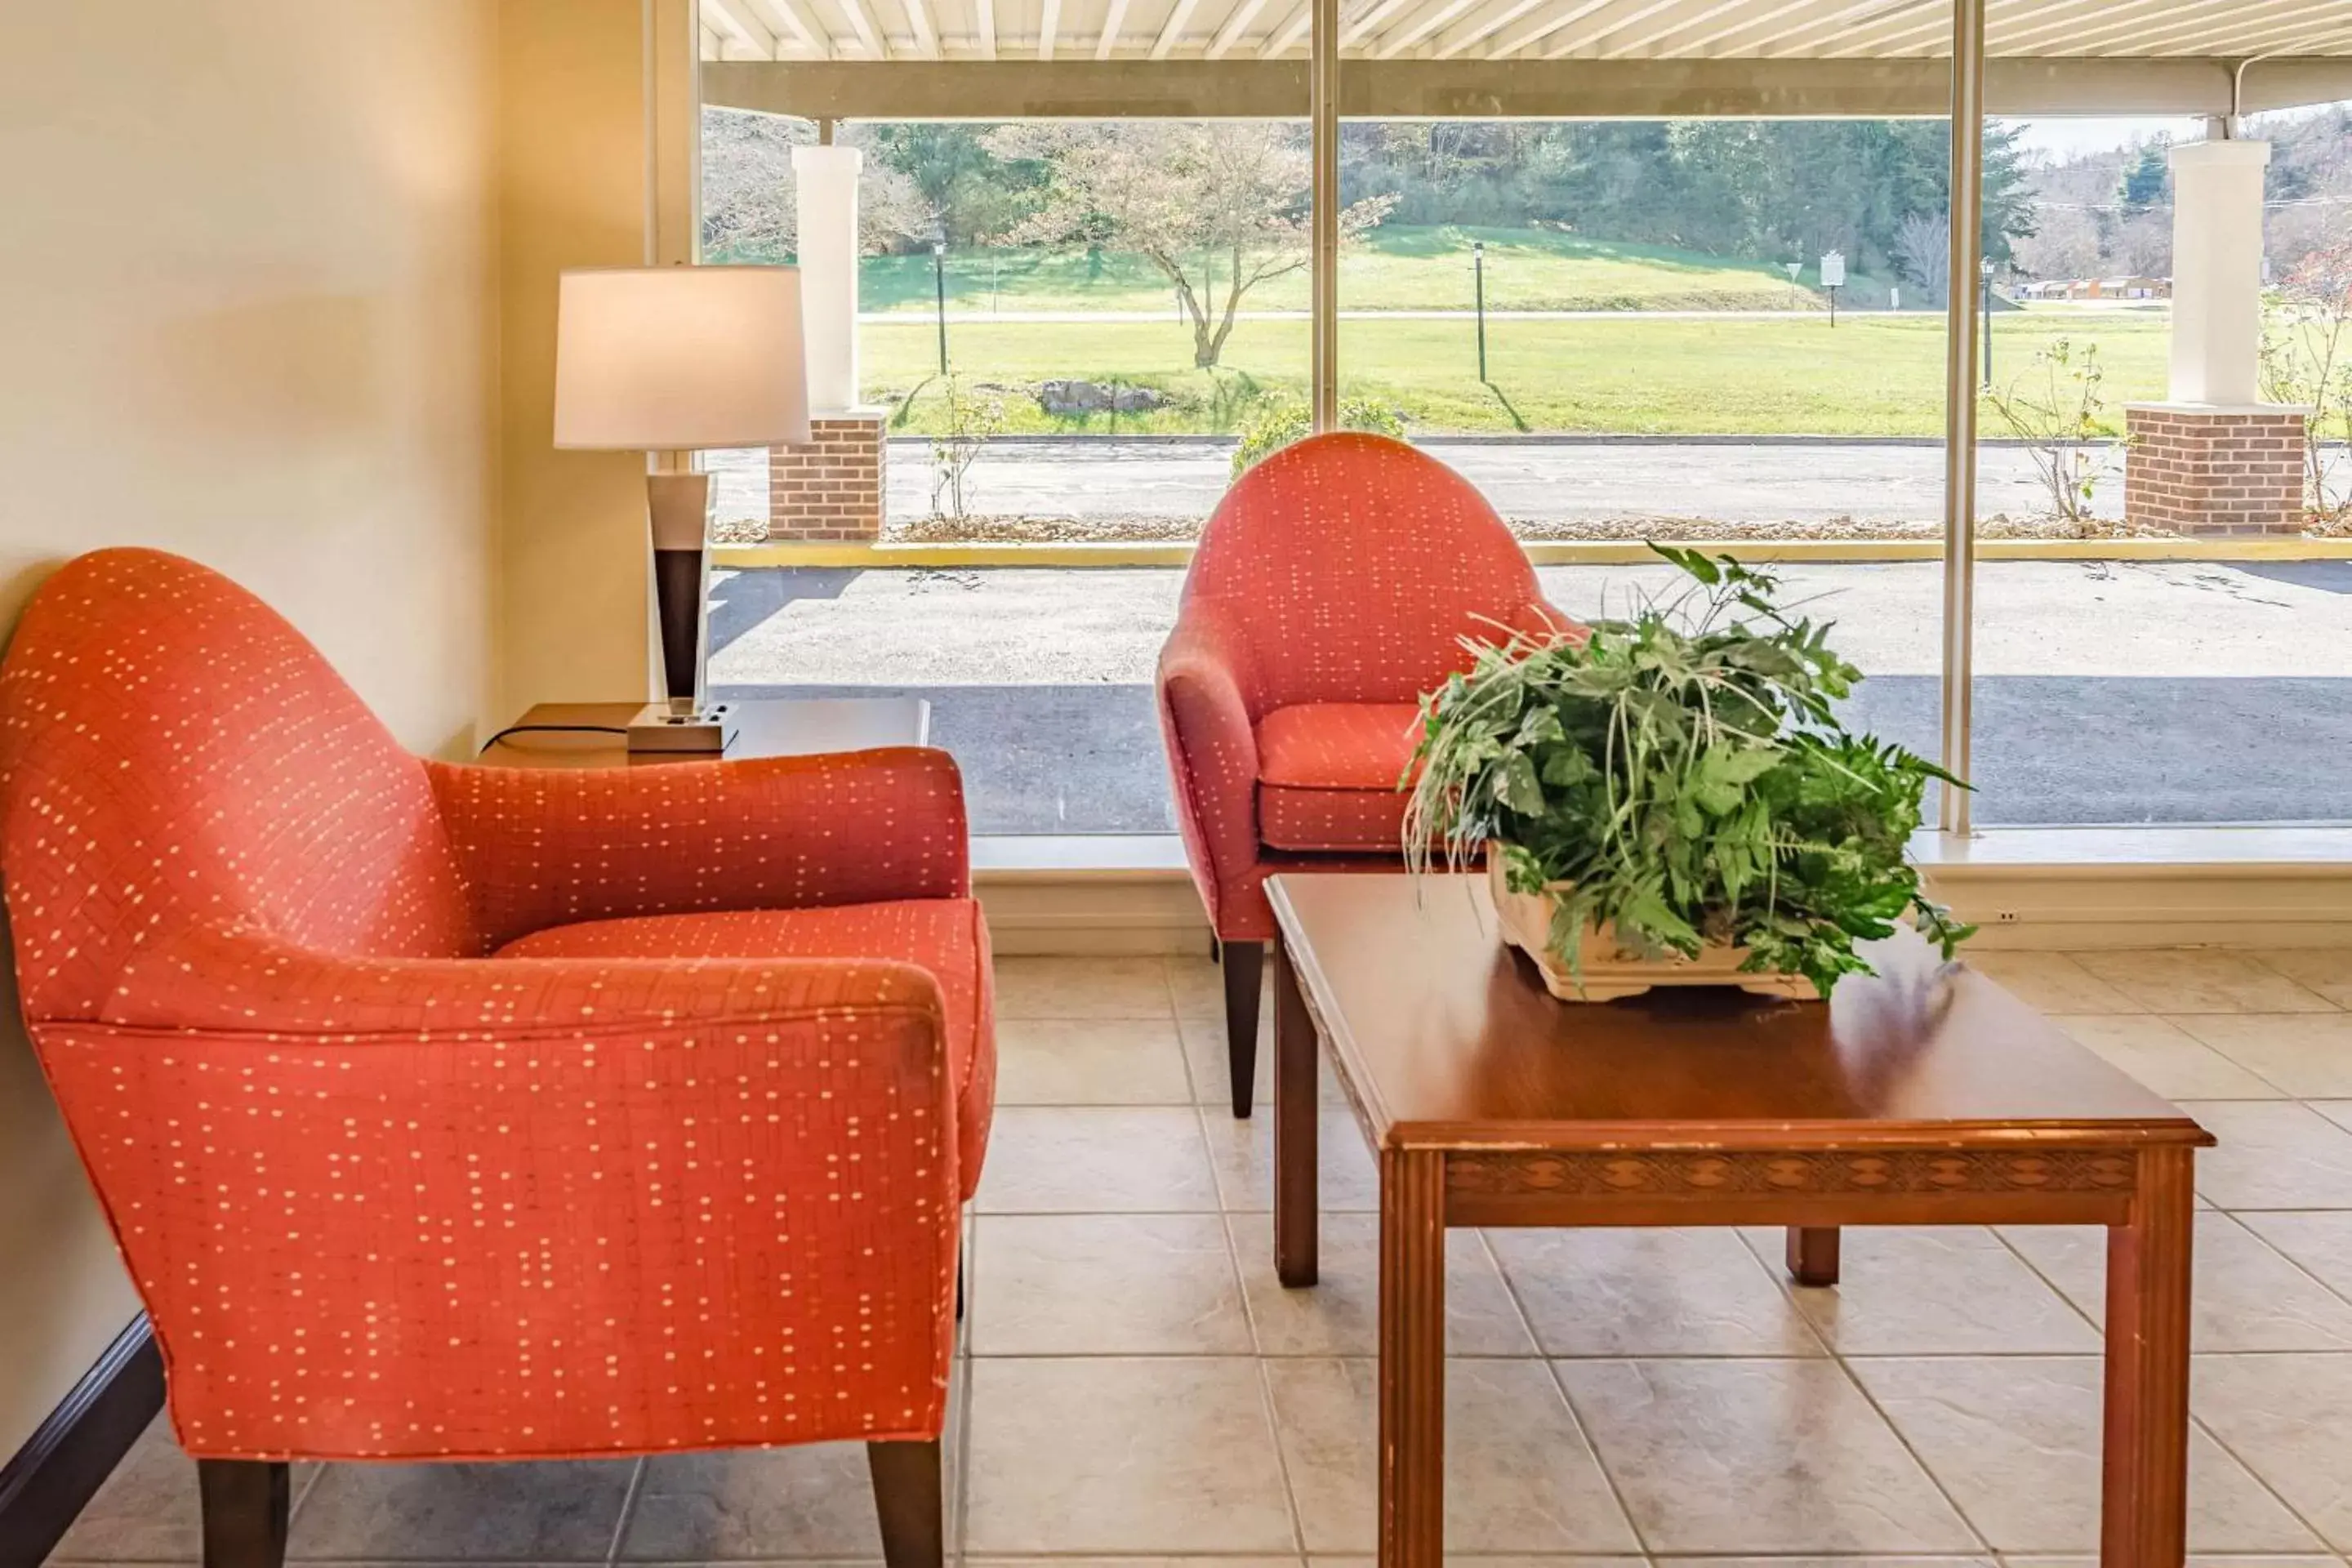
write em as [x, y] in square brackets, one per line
[2073, 136]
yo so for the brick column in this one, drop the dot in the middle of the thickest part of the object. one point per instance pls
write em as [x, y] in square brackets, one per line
[830, 488]
[2195, 468]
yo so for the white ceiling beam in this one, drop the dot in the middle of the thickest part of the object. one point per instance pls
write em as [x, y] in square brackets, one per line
[785, 16]
[918, 22]
[2070, 29]
[1686, 28]
[1513, 42]
[1416, 26]
[2267, 28]
[984, 15]
[1895, 38]
[1479, 27]
[2143, 33]
[2275, 37]
[1174, 29]
[864, 27]
[1113, 20]
[1236, 24]
[1370, 19]
[1596, 30]
[1813, 33]
[736, 21]
[1049, 22]
[1285, 38]
[1769, 31]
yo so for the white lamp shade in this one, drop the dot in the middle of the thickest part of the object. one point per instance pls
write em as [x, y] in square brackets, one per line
[679, 358]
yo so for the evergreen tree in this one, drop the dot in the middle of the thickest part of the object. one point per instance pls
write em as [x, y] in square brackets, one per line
[2145, 179]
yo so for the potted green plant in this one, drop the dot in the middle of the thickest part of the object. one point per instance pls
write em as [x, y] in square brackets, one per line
[1673, 799]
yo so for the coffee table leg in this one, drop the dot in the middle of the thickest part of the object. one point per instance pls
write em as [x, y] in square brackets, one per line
[2144, 1522]
[1814, 1254]
[1294, 1173]
[1412, 1358]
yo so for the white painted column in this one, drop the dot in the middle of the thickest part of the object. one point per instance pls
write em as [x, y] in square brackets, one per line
[826, 180]
[2217, 271]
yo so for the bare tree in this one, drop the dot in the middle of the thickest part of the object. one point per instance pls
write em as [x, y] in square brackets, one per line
[1218, 206]
[2307, 360]
[1923, 252]
[2142, 247]
[749, 212]
[2055, 408]
[2064, 244]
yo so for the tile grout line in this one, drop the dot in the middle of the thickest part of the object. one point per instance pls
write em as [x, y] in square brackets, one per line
[1838, 1358]
[961, 1523]
[2252, 1072]
[628, 1509]
[2052, 1286]
[2235, 1218]
[1567, 1400]
[2197, 1423]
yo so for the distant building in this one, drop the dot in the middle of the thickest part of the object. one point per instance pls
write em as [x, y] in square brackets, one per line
[2129, 287]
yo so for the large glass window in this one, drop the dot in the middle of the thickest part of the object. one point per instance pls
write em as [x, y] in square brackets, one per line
[2208, 685]
[1073, 334]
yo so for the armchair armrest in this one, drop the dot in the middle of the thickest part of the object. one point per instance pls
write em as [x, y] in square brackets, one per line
[1207, 713]
[477, 1208]
[549, 847]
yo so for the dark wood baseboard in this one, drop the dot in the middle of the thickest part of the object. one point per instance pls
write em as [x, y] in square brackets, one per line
[70, 1456]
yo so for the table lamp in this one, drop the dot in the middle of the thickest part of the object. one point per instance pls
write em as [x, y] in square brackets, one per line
[669, 360]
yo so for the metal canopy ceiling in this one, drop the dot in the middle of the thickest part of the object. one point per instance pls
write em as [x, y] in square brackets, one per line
[1055, 31]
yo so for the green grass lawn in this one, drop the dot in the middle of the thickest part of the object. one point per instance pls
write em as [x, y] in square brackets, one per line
[1870, 376]
[1394, 267]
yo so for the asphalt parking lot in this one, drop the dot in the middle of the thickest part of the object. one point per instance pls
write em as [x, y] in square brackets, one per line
[2106, 692]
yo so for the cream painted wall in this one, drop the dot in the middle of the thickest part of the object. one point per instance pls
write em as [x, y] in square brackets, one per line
[248, 313]
[574, 173]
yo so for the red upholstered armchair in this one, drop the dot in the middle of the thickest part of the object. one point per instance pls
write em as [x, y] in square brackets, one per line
[459, 1112]
[1331, 588]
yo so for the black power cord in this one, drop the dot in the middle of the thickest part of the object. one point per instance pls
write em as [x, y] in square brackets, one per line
[552, 730]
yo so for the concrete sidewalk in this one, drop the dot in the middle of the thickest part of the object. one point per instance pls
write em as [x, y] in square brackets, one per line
[1810, 482]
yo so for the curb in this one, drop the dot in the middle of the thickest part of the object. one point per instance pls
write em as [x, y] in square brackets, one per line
[1543, 553]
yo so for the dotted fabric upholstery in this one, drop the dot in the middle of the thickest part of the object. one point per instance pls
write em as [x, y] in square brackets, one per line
[1328, 775]
[175, 750]
[945, 938]
[695, 1182]
[546, 847]
[1344, 569]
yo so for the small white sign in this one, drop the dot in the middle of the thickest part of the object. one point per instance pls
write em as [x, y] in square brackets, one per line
[1895, 297]
[1794, 267]
[1834, 269]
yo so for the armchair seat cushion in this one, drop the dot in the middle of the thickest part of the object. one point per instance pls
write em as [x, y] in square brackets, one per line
[943, 936]
[1327, 775]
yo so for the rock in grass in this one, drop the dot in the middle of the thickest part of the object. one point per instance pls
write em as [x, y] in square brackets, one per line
[1073, 398]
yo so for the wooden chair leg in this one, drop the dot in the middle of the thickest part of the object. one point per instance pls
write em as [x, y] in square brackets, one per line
[907, 1498]
[1244, 966]
[1814, 1254]
[245, 1505]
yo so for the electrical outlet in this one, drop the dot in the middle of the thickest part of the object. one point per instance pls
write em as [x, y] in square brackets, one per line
[2005, 918]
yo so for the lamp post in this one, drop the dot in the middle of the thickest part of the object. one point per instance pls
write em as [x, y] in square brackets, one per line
[1478, 284]
[939, 287]
[1985, 267]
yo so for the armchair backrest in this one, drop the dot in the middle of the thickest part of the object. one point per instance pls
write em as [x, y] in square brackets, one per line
[173, 751]
[1353, 565]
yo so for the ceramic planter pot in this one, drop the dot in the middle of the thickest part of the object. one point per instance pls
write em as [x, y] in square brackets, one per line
[1611, 971]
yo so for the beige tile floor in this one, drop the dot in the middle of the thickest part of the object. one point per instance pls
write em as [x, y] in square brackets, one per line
[1137, 1386]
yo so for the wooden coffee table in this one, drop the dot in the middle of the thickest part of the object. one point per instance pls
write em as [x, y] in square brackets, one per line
[1908, 1100]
